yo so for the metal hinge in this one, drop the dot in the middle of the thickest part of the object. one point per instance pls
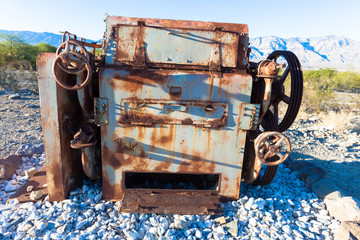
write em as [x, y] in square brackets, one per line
[101, 109]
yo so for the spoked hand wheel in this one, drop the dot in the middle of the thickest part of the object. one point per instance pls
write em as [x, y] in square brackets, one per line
[270, 144]
[269, 124]
[279, 94]
[72, 62]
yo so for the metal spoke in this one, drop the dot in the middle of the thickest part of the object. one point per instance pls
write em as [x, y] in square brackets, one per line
[279, 155]
[285, 99]
[280, 142]
[284, 75]
[276, 112]
[267, 155]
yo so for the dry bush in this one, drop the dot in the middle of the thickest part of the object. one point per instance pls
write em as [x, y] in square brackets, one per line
[340, 120]
[15, 80]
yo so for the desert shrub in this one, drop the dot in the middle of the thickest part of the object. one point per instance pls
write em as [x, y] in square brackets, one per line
[13, 49]
[320, 86]
[347, 81]
[8, 80]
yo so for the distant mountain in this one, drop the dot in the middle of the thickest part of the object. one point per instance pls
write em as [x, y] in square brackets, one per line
[320, 52]
[35, 37]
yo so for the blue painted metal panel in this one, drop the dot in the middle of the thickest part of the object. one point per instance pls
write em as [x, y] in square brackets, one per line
[173, 148]
[176, 46]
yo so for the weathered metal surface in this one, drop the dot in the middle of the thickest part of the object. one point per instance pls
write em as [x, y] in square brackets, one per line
[175, 105]
[170, 202]
[101, 114]
[60, 112]
[176, 46]
[38, 181]
[184, 112]
[173, 148]
[250, 115]
[90, 161]
[175, 43]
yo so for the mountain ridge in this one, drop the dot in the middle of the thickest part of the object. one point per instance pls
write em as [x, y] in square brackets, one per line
[314, 52]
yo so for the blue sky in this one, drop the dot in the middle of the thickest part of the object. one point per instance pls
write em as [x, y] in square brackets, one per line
[304, 18]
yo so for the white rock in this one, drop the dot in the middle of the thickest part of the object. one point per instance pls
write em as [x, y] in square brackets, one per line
[81, 224]
[220, 230]
[30, 172]
[252, 222]
[97, 197]
[297, 233]
[178, 223]
[286, 229]
[29, 188]
[198, 234]
[35, 195]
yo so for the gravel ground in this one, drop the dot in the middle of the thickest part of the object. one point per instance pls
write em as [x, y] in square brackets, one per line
[20, 123]
[283, 210]
[337, 153]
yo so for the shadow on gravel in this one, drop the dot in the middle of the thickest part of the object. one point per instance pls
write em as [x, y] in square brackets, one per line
[344, 174]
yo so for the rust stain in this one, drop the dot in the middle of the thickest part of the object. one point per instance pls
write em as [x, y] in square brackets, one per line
[232, 27]
[211, 83]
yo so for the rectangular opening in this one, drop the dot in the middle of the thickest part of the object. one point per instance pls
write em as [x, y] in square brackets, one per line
[182, 181]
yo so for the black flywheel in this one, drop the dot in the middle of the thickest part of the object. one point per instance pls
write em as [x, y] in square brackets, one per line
[292, 96]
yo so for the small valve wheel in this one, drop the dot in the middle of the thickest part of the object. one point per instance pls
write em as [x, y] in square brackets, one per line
[270, 144]
[72, 62]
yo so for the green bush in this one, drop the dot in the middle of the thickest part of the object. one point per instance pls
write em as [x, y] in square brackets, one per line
[17, 62]
[320, 87]
[13, 49]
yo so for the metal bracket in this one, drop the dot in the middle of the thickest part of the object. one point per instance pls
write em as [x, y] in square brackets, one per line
[249, 116]
[101, 109]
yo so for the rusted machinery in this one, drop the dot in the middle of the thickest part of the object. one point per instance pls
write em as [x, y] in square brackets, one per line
[172, 116]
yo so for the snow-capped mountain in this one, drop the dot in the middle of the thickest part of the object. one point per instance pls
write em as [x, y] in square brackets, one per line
[320, 52]
[36, 37]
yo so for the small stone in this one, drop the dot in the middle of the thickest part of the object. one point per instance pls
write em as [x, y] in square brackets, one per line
[303, 219]
[29, 188]
[82, 224]
[297, 233]
[220, 230]
[30, 172]
[286, 229]
[198, 234]
[14, 96]
[57, 236]
[97, 197]
[154, 222]
[252, 222]
[133, 234]
[152, 230]
[9, 165]
[232, 228]
[35, 195]
[181, 224]
[220, 220]
[10, 187]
